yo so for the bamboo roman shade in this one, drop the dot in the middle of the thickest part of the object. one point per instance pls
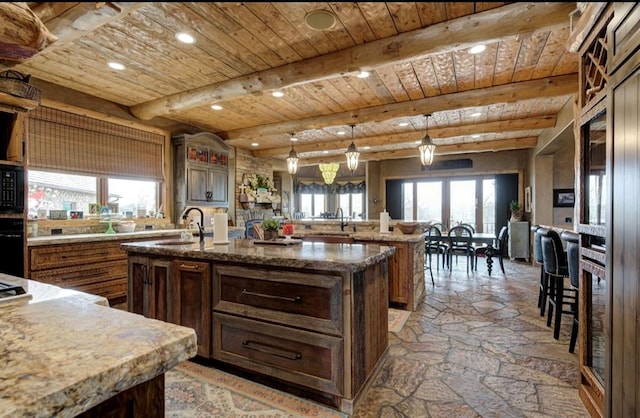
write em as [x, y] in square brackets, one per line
[60, 140]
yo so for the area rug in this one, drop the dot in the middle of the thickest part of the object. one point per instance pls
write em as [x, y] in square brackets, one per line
[397, 319]
[193, 390]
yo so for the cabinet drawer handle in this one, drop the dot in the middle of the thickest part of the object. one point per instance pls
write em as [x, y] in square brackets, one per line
[190, 266]
[269, 349]
[296, 299]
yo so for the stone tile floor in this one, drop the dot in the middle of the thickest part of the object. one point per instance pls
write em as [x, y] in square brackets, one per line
[477, 347]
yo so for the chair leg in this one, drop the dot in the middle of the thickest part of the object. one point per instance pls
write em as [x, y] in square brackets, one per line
[552, 301]
[559, 297]
[500, 257]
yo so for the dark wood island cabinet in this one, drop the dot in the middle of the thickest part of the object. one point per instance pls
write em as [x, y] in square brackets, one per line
[312, 315]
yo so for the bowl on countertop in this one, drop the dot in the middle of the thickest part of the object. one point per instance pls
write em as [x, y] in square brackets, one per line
[125, 227]
[407, 227]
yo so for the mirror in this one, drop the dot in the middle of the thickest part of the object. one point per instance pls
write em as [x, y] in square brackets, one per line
[595, 170]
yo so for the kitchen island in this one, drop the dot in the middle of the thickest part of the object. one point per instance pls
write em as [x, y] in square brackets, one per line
[312, 314]
[66, 353]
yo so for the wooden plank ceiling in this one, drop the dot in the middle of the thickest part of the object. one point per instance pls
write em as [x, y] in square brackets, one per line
[417, 54]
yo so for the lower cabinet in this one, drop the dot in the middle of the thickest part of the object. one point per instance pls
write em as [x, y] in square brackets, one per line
[192, 300]
[149, 290]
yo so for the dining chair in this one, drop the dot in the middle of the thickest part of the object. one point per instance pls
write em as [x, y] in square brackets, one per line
[573, 263]
[459, 242]
[562, 298]
[500, 250]
[433, 245]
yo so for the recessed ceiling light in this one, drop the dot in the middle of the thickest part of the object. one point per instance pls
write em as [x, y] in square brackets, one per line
[475, 115]
[341, 132]
[277, 94]
[403, 124]
[216, 107]
[366, 147]
[477, 49]
[325, 152]
[185, 38]
[363, 74]
[255, 144]
[116, 66]
[294, 139]
[419, 141]
[475, 136]
[320, 19]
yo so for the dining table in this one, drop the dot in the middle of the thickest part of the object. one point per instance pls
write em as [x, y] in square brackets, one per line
[489, 239]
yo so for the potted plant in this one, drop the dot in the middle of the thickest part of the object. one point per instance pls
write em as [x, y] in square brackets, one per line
[270, 227]
[516, 210]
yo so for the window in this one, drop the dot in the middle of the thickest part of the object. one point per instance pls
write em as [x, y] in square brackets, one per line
[133, 195]
[407, 201]
[489, 205]
[59, 191]
[430, 201]
[351, 204]
[463, 202]
[312, 204]
[73, 192]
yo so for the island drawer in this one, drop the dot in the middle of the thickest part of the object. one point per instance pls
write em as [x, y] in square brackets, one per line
[306, 299]
[301, 357]
[53, 256]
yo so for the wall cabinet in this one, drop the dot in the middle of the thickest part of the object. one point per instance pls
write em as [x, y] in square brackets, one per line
[519, 240]
[201, 171]
[192, 300]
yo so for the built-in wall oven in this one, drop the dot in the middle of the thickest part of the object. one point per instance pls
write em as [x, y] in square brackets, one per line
[12, 244]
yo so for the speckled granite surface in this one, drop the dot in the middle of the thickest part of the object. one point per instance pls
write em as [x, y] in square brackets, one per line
[64, 352]
[152, 234]
[310, 255]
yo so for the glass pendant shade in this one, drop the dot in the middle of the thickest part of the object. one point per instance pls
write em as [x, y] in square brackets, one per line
[352, 154]
[292, 159]
[427, 148]
[329, 171]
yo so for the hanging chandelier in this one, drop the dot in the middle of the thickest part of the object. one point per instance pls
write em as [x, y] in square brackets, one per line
[329, 171]
[292, 159]
[352, 154]
[427, 147]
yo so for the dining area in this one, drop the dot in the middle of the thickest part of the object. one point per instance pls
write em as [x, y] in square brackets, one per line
[446, 246]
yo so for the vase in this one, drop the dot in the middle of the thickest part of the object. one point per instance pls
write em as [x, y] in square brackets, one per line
[248, 205]
[270, 234]
[516, 216]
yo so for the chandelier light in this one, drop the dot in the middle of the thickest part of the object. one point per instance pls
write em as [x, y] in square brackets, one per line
[352, 154]
[292, 159]
[427, 147]
[329, 171]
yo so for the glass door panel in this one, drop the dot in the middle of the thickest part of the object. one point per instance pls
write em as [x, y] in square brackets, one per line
[429, 197]
[489, 206]
[407, 196]
[462, 202]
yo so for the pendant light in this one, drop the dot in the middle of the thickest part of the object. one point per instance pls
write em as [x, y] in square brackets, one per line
[292, 159]
[352, 154]
[427, 147]
[329, 171]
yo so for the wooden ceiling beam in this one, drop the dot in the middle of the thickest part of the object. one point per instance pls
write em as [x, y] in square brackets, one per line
[436, 39]
[507, 93]
[475, 147]
[536, 122]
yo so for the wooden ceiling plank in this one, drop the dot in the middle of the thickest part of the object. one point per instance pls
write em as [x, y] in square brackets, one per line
[434, 39]
[539, 122]
[547, 87]
[489, 146]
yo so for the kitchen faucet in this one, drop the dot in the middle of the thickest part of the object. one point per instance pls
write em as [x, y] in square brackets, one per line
[343, 223]
[200, 224]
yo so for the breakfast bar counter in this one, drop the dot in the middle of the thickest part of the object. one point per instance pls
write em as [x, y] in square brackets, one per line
[66, 353]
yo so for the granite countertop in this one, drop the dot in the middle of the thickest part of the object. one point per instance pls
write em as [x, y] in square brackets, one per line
[308, 255]
[73, 238]
[64, 352]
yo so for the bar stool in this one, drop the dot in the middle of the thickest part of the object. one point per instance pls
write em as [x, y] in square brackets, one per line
[562, 298]
[573, 261]
[544, 290]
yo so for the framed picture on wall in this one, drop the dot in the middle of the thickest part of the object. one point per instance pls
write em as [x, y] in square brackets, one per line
[564, 198]
[527, 199]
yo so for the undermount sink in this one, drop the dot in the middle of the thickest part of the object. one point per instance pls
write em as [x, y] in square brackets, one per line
[178, 242]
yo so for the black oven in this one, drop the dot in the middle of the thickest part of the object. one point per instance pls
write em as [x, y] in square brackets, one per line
[11, 189]
[12, 244]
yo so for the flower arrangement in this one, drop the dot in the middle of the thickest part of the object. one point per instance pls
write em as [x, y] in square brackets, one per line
[258, 188]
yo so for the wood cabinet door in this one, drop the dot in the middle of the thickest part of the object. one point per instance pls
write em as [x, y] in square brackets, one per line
[218, 186]
[192, 300]
[159, 290]
[136, 285]
[197, 183]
